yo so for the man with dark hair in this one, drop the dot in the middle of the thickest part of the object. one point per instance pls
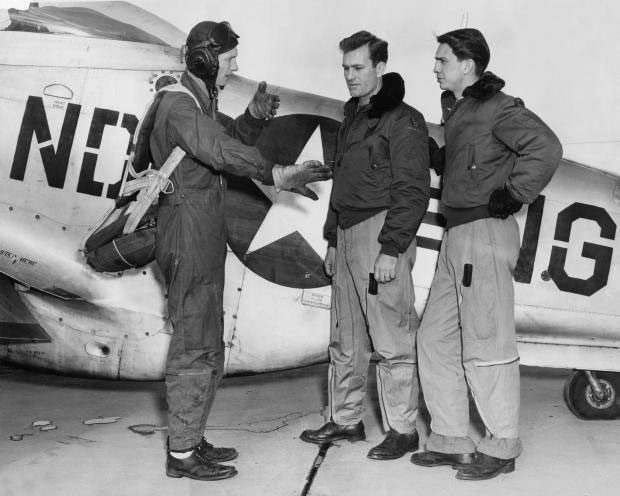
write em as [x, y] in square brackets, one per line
[377, 48]
[498, 155]
[191, 232]
[468, 44]
[379, 196]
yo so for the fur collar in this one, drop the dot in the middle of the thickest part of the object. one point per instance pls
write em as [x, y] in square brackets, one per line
[389, 96]
[487, 86]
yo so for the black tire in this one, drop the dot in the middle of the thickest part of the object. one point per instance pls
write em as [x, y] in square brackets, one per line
[583, 403]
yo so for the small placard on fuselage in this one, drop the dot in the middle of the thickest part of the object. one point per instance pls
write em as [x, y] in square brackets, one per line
[317, 298]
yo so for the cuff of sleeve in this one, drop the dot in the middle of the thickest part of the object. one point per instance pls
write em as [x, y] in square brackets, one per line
[331, 242]
[513, 194]
[278, 174]
[389, 249]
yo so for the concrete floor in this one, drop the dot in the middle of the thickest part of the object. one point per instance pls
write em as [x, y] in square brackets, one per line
[263, 416]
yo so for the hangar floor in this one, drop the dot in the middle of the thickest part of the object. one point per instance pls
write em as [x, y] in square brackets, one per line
[91, 449]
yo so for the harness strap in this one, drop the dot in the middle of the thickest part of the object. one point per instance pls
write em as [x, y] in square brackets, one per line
[158, 181]
[151, 182]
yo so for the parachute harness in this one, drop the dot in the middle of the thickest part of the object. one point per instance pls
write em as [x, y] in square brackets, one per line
[148, 183]
[151, 182]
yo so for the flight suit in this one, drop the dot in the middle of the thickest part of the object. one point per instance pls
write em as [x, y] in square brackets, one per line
[191, 244]
[467, 336]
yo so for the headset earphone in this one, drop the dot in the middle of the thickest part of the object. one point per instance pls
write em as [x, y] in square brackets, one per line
[202, 62]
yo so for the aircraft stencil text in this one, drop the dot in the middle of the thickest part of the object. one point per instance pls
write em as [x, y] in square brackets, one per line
[16, 258]
[56, 161]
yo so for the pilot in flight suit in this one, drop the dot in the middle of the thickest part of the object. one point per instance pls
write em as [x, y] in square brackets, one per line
[191, 233]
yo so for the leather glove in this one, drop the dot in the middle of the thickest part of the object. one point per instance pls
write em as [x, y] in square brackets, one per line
[437, 156]
[432, 146]
[295, 177]
[502, 204]
[264, 105]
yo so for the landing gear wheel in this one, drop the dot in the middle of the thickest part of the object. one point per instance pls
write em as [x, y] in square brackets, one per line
[583, 402]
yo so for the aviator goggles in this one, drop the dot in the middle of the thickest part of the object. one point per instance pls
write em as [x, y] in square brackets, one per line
[220, 36]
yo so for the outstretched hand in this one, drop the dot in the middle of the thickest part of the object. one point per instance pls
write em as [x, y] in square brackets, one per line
[314, 170]
[264, 105]
[295, 178]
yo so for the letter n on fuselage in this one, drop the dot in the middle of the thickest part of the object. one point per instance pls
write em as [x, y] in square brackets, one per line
[55, 162]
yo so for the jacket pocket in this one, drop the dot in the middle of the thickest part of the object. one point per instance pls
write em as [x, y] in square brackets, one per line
[472, 175]
[379, 169]
[488, 168]
[460, 176]
[378, 149]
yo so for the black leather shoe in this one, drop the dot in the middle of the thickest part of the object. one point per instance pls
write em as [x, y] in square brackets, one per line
[332, 431]
[436, 459]
[196, 467]
[394, 446]
[217, 455]
[486, 467]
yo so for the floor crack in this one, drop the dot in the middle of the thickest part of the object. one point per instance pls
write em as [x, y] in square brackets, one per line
[316, 464]
[263, 426]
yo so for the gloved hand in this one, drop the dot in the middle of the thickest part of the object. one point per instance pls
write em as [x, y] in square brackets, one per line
[432, 146]
[437, 156]
[295, 177]
[264, 105]
[502, 204]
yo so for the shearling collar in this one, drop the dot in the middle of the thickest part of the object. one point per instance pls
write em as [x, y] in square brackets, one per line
[487, 86]
[389, 96]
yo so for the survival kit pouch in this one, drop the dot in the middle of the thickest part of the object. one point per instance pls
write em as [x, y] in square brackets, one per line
[124, 237]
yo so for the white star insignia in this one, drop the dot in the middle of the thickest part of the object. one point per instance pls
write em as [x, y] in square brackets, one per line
[291, 212]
